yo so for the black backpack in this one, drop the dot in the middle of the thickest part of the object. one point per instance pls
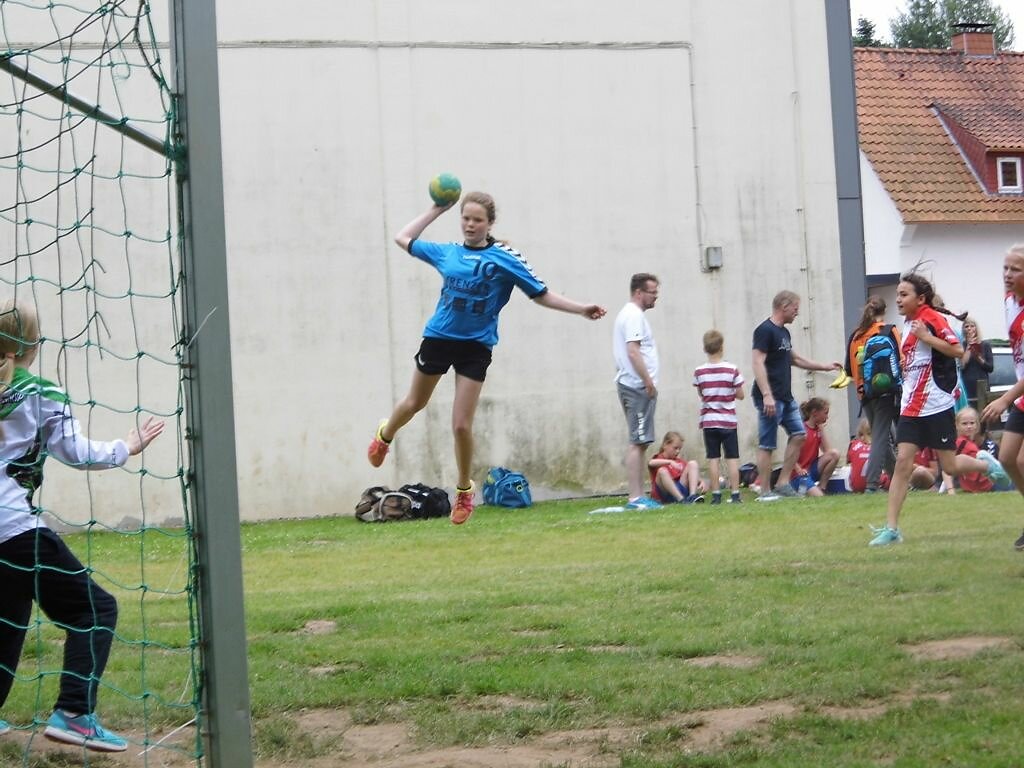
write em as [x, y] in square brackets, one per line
[427, 502]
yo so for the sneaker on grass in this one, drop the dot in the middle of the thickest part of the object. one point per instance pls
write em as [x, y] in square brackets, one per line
[643, 502]
[769, 496]
[885, 536]
[463, 508]
[83, 730]
[735, 499]
[1019, 543]
[5, 727]
[786, 491]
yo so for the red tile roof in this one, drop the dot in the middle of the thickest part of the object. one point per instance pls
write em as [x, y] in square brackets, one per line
[899, 95]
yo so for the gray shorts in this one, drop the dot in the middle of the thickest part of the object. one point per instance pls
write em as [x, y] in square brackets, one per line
[639, 409]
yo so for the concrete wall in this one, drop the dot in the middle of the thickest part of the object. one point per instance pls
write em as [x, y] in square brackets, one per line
[615, 139]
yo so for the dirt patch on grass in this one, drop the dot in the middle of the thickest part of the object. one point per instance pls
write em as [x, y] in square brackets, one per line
[608, 648]
[864, 712]
[735, 661]
[875, 709]
[393, 746]
[339, 741]
[503, 703]
[326, 670]
[711, 728]
[318, 627]
[957, 647]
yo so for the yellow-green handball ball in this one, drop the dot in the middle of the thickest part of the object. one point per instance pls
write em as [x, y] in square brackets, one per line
[445, 189]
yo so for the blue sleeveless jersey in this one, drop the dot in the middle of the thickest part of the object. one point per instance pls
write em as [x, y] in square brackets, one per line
[477, 284]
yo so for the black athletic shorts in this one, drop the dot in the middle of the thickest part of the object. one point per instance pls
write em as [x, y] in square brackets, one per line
[1015, 421]
[716, 439]
[470, 358]
[936, 431]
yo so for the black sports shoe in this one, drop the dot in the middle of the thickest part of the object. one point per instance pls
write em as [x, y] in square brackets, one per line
[1019, 543]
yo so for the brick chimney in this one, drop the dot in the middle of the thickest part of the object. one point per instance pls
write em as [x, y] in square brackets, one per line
[974, 39]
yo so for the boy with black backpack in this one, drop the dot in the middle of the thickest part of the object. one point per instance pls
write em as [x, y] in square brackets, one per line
[873, 362]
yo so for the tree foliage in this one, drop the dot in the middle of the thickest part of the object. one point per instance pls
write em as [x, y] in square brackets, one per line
[864, 37]
[928, 23]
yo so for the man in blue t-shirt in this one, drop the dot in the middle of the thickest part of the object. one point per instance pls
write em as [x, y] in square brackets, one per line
[773, 359]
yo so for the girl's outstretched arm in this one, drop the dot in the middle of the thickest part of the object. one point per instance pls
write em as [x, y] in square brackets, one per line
[148, 431]
[415, 228]
[994, 410]
[553, 300]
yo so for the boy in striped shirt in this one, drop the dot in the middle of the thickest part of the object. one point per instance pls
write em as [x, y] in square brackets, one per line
[719, 385]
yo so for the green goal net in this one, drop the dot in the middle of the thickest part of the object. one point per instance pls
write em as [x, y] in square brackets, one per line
[91, 242]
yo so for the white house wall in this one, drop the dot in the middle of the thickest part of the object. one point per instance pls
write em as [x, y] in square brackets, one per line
[883, 225]
[615, 139]
[965, 262]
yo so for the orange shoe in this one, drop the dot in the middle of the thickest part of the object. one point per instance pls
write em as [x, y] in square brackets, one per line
[378, 447]
[463, 508]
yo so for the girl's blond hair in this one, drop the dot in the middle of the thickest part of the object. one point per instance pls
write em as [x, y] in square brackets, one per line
[671, 437]
[19, 335]
[967, 412]
[864, 430]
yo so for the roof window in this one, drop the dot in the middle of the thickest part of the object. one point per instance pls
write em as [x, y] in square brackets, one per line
[1008, 169]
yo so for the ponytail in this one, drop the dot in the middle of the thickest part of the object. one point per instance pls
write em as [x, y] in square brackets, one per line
[874, 308]
[961, 317]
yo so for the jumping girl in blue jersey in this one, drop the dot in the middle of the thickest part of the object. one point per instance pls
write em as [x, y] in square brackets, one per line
[478, 277]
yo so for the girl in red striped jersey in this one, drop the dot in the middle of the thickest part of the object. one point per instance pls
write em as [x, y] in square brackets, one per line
[1011, 448]
[929, 350]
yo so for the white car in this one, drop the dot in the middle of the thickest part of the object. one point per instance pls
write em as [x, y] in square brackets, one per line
[1003, 374]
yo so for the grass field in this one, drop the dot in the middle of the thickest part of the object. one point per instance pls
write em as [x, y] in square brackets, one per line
[644, 632]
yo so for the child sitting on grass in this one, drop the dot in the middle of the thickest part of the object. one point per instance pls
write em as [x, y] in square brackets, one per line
[817, 459]
[857, 456]
[673, 478]
[982, 480]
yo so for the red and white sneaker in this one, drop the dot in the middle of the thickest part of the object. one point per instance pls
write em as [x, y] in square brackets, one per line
[463, 508]
[378, 447]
